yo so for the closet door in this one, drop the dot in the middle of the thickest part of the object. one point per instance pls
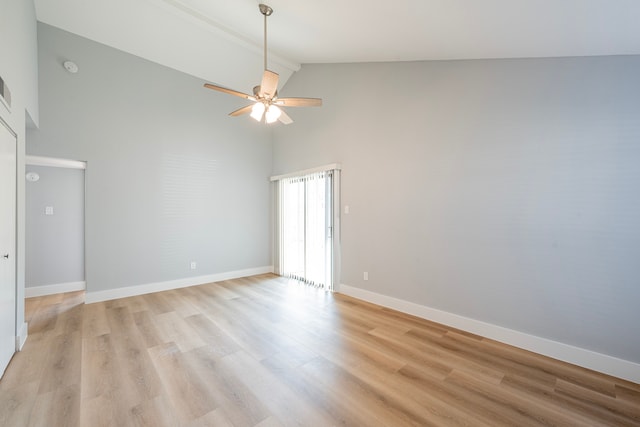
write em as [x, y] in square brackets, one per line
[7, 246]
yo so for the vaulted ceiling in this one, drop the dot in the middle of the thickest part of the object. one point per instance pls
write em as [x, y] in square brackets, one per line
[221, 40]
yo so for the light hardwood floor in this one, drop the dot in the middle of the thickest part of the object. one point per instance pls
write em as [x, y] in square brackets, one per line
[264, 351]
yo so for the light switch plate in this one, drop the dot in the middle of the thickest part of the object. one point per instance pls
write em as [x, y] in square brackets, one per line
[48, 210]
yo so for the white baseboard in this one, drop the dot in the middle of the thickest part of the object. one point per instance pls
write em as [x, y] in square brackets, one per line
[147, 288]
[575, 355]
[58, 288]
[22, 336]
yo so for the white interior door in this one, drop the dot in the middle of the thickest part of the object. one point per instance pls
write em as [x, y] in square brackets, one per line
[7, 246]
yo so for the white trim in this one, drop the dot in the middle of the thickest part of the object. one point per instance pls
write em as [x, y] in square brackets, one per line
[55, 162]
[578, 356]
[6, 125]
[6, 105]
[147, 288]
[58, 288]
[183, 11]
[22, 336]
[329, 167]
[336, 240]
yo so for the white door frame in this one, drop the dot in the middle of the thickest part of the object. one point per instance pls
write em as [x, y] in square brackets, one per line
[336, 254]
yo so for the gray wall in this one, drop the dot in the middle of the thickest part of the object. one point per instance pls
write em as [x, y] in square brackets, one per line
[55, 243]
[506, 191]
[19, 69]
[170, 177]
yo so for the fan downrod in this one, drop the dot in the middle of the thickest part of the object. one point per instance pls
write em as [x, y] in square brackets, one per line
[265, 10]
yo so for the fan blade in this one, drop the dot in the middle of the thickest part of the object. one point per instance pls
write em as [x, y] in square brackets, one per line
[229, 91]
[284, 118]
[299, 102]
[269, 84]
[241, 111]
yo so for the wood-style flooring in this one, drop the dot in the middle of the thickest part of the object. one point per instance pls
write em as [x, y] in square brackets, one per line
[265, 351]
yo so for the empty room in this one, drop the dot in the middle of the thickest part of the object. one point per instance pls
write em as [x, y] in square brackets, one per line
[297, 213]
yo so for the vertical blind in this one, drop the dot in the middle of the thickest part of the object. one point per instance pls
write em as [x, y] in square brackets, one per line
[305, 228]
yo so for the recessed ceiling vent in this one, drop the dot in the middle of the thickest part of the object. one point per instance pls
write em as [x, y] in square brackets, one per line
[5, 94]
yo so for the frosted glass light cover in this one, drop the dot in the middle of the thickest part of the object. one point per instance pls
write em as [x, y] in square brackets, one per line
[273, 112]
[257, 111]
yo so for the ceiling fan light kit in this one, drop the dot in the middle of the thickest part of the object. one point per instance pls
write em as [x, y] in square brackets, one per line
[267, 104]
[273, 113]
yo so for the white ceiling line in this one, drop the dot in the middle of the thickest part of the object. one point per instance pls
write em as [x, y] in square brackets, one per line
[182, 11]
[218, 40]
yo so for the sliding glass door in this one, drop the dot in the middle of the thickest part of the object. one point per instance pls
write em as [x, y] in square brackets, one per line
[306, 227]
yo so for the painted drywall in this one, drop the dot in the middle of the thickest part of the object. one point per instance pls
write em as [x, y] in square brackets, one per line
[175, 35]
[55, 241]
[170, 177]
[19, 70]
[504, 191]
[19, 65]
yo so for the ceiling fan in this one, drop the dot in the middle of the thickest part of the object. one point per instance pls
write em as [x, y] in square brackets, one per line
[266, 103]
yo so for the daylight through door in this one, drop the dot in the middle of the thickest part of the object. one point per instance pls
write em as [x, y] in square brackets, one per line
[306, 227]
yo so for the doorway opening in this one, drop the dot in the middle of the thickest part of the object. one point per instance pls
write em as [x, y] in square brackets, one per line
[55, 226]
[307, 237]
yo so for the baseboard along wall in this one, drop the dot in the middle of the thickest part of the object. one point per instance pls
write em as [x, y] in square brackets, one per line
[130, 291]
[58, 288]
[22, 336]
[575, 355]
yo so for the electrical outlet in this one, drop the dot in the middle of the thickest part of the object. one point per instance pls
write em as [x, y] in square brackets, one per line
[365, 275]
[193, 265]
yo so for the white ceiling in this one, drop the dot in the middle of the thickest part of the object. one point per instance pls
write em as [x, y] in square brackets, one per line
[221, 40]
